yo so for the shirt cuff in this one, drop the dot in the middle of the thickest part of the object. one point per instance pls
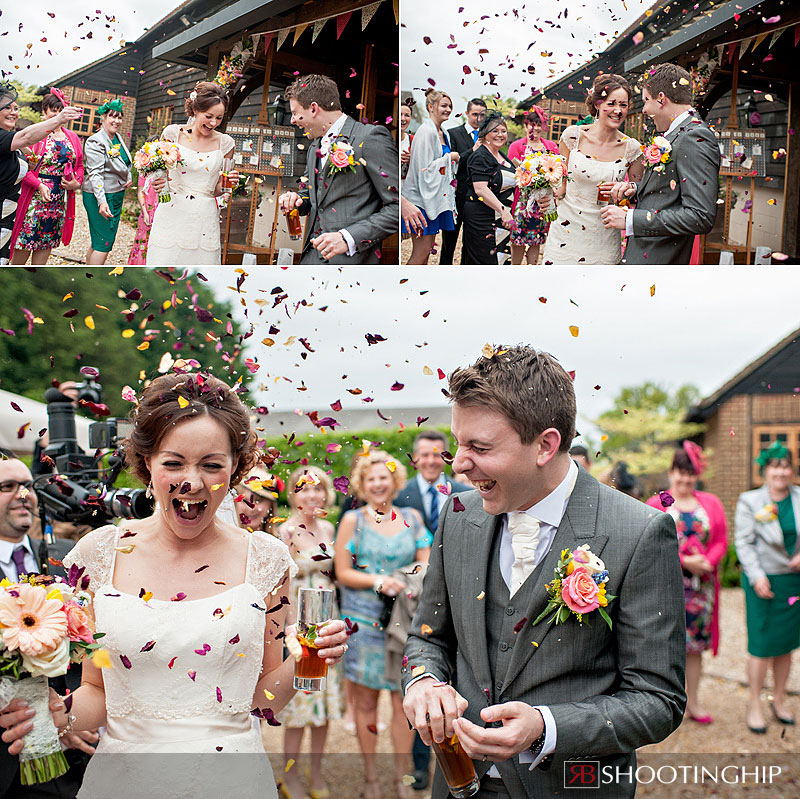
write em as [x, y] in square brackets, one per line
[550, 737]
[418, 678]
[349, 241]
[629, 222]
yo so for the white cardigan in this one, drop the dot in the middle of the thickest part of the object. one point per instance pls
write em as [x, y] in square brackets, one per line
[429, 184]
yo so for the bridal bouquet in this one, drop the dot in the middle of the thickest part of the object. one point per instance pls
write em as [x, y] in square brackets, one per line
[44, 626]
[155, 158]
[537, 176]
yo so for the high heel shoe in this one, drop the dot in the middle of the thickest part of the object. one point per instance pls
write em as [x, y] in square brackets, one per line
[322, 793]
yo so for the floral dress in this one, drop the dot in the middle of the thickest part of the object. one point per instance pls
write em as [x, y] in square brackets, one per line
[530, 228]
[138, 256]
[44, 221]
[693, 533]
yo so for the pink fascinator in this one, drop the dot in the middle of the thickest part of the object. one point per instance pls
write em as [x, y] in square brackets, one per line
[696, 456]
[60, 95]
[540, 112]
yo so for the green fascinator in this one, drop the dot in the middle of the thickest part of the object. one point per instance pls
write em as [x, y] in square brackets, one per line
[111, 105]
[775, 452]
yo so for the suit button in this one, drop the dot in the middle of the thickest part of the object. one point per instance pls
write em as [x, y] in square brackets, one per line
[499, 687]
[503, 646]
[509, 611]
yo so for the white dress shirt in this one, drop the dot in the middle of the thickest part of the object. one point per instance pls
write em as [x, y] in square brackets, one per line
[7, 565]
[679, 120]
[324, 148]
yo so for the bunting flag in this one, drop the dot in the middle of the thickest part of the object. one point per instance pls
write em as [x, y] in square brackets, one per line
[796, 35]
[396, 5]
[298, 31]
[745, 44]
[760, 38]
[775, 37]
[367, 13]
[282, 34]
[732, 48]
[318, 26]
[268, 37]
[341, 22]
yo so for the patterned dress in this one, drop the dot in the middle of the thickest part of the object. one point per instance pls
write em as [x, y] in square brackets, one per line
[530, 229]
[693, 535]
[314, 708]
[44, 221]
[365, 660]
[138, 256]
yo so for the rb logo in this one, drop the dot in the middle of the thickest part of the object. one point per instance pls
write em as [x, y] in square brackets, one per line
[582, 774]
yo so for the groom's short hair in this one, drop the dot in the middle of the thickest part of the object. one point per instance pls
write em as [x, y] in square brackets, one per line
[318, 89]
[674, 81]
[529, 387]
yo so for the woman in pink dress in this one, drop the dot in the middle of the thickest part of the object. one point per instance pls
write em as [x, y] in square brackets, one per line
[530, 230]
[148, 200]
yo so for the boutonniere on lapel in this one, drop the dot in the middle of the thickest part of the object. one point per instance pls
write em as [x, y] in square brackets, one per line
[767, 514]
[342, 156]
[578, 587]
[657, 153]
[114, 151]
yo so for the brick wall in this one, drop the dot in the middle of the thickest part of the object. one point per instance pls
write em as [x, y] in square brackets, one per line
[91, 97]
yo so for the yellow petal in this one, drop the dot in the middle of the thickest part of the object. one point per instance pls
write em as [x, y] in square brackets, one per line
[182, 402]
[289, 764]
[147, 596]
[143, 346]
[127, 549]
[417, 670]
[217, 486]
[653, 290]
[269, 696]
[128, 333]
[89, 322]
[481, 595]
[102, 660]
[117, 270]
[391, 465]
[574, 329]
[101, 307]
[68, 296]
[426, 370]
[426, 629]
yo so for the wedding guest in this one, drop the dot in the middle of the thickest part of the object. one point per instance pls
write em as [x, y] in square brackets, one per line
[309, 537]
[580, 455]
[768, 547]
[597, 156]
[257, 500]
[148, 201]
[46, 211]
[106, 176]
[429, 184]
[490, 175]
[464, 139]
[373, 543]
[405, 138]
[13, 163]
[702, 543]
[530, 229]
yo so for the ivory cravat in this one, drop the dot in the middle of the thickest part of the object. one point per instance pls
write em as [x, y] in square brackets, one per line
[524, 530]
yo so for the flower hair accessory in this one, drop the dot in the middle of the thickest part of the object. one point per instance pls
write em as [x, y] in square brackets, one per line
[696, 457]
[578, 588]
[193, 95]
[111, 105]
[57, 93]
[657, 153]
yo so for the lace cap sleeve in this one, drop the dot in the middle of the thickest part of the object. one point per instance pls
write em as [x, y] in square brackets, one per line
[570, 137]
[171, 132]
[226, 143]
[95, 552]
[269, 560]
[633, 150]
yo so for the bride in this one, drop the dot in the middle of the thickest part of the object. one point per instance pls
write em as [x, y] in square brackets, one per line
[193, 609]
[186, 230]
[598, 155]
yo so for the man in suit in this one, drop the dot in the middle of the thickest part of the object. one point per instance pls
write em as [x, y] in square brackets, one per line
[463, 139]
[19, 555]
[676, 200]
[422, 493]
[350, 208]
[525, 698]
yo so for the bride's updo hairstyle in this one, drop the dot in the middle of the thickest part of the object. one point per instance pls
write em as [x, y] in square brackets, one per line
[603, 86]
[205, 95]
[173, 398]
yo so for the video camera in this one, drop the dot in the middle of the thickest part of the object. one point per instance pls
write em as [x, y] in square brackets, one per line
[79, 488]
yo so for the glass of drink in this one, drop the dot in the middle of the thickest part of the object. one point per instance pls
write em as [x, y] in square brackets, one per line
[603, 193]
[227, 168]
[293, 223]
[314, 606]
[457, 767]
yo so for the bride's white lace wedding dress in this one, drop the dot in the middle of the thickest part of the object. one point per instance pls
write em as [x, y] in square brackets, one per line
[180, 691]
[186, 229]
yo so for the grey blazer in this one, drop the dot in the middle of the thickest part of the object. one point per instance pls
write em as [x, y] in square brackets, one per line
[103, 174]
[675, 205]
[364, 202]
[609, 691]
[759, 545]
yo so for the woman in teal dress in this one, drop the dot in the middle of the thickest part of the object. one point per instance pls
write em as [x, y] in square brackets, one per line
[373, 544]
[107, 174]
[767, 521]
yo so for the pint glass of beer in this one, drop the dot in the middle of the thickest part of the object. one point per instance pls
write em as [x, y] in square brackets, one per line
[314, 606]
[457, 767]
[604, 193]
[293, 223]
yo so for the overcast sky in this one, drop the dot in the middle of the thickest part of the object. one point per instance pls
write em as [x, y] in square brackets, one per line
[571, 32]
[701, 326]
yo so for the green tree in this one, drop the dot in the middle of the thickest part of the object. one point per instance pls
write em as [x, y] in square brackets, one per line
[644, 425]
[63, 319]
[27, 95]
[508, 108]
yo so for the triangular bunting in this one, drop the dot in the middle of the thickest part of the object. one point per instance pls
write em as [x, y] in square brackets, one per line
[745, 44]
[282, 34]
[396, 5]
[732, 48]
[268, 37]
[256, 39]
[367, 13]
[760, 38]
[341, 22]
[298, 32]
[720, 49]
[776, 36]
[318, 26]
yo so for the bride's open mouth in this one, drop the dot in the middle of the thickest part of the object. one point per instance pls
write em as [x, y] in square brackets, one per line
[189, 510]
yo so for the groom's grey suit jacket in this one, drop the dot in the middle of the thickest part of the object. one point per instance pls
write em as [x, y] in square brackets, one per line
[364, 201]
[675, 205]
[610, 691]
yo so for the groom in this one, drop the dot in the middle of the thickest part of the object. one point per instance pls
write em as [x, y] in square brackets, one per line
[524, 698]
[676, 200]
[351, 205]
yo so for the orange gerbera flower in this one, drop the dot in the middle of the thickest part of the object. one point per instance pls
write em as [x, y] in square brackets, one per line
[30, 621]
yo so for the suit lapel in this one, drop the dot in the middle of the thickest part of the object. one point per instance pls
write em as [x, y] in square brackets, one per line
[326, 176]
[577, 528]
[771, 531]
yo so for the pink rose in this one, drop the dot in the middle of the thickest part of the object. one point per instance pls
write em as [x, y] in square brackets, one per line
[579, 591]
[78, 623]
[143, 160]
[652, 154]
[525, 178]
[340, 159]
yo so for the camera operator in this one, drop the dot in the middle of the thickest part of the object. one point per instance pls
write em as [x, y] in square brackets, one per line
[18, 556]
